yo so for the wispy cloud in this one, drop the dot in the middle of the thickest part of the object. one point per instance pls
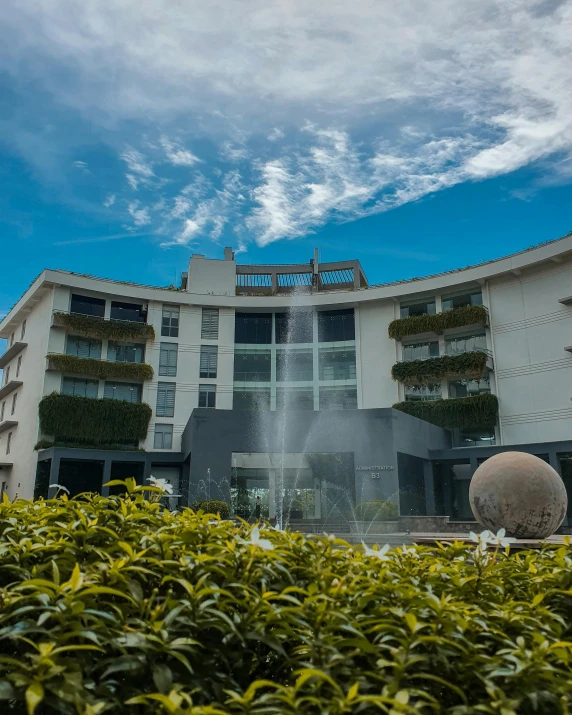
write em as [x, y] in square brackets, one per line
[109, 201]
[177, 155]
[100, 239]
[140, 215]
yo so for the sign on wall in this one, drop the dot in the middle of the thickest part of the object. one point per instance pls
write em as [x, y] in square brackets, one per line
[375, 471]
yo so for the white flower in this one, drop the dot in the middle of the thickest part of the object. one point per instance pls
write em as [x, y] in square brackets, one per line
[377, 553]
[503, 540]
[255, 540]
[163, 484]
[59, 486]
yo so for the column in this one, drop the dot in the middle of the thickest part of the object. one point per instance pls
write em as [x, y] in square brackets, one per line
[54, 472]
[315, 361]
[429, 488]
[106, 477]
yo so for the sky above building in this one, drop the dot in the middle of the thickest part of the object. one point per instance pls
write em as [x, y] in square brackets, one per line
[414, 136]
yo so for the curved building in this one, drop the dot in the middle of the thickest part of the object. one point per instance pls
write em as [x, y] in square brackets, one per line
[295, 380]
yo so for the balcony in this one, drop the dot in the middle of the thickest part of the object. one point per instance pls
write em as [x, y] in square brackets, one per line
[10, 387]
[7, 424]
[472, 364]
[96, 327]
[11, 353]
[101, 369]
[475, 412]
[438, 323]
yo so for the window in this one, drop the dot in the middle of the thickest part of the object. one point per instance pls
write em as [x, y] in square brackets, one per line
[465, 388]
[14, 399]
[12, 339]
[133, 312]
[7, 375]
[460, 301]
[125, 352]
[253, 328]
[252, 366]
[251, 398]
[168, 360]
[83, 347]
[426, 307]
[18, 366]
[422, 393]
[476, 438]
[336, 325]
[2, 410]
[163, 437]
[421, 351]
[9, 443]
[335, 398]
[209, 325]
[23, 332]
[170, 321]
[87, 306]
[165, 399]
[294, 366]
[337, 364]
[127, 391]
[294, 399]
[466, 344]
[296, 326]
[77, 386]
[208, 360]
[207, 395]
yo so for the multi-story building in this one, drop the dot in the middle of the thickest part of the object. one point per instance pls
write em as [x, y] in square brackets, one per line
[300, 380]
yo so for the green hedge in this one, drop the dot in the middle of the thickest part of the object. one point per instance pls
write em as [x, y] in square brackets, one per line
[100, 368]
[212, 506]
[96, 421]
[376, 510]
[92, 326]
[478, 411]
[437, 323]
[119, 607]
[84, 444]
[422, 372]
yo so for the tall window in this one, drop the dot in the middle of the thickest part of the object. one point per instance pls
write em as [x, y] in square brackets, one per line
[83, 347]
[425, 307]
[133, 312]
[459, 301]
[18, 366]
[170, 321]
[23, 333]
[335, 398]
[466, 388]
[168, 360]
[296, 326]
[466, 344]
[252, 365]
[86, 305]
[165, 399]
[7, 375]
[421, 351]
[163, 437]
[253, 328]
[336, 325]
[422, 393]
[208, 360]
[81, 388]
[209, 325]
[9, 443]
[128, 391]
[125, 352]
[14, 399]
[2, 410]
[207, 395]
[12, 339]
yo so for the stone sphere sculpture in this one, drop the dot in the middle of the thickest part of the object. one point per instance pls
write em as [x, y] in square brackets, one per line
[520, 493]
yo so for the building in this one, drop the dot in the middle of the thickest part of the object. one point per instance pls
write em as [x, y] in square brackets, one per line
[263, 380]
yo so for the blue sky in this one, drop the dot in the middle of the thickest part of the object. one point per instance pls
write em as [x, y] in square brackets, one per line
[416, 137]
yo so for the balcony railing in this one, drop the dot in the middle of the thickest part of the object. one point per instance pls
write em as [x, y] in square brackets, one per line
[102, 369]
[448, 351]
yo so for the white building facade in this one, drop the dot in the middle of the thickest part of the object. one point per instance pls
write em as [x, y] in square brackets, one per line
[101, 378]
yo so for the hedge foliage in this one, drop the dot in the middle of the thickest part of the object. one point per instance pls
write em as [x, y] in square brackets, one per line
[437, 323]
[212, 506]
[422, 372]
[476, 411]
[92, 326]
[96, 421]
[117, 606]
[84, 444]
[382, 510]
[100, 368]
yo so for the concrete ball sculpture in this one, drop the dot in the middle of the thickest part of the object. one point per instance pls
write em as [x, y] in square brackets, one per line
[520, 493]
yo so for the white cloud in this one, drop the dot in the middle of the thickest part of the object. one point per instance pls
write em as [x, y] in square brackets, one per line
[136, 163]
[275, 135]
[177, 155]
[109, 201]
[139, 215]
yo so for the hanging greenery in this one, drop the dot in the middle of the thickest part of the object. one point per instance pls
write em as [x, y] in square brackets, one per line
[422, 372]
[92, 420]
[475, 412]
[100, 368]
[437, 323]
[84, 444]
[92, 326]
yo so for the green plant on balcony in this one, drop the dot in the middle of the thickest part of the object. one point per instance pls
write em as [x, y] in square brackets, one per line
[93, 421]
[438, 322]
[475, 412]
[100, 368]
[422, 372]
[93, 326]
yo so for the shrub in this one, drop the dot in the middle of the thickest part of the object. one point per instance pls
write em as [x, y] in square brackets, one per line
[95, 421]
[376, 510]
[476, 411]
[100, 368]
[119, 606]
[92, 326]
[212, 506]
[437, 323]
[422, 372]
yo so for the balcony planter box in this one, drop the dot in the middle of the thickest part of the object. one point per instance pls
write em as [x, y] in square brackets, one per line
[102, 369]
[92, 326]
[475, 412]
[439, 322]
[423, 372]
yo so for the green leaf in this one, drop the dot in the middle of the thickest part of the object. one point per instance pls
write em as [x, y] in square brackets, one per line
[34, 696]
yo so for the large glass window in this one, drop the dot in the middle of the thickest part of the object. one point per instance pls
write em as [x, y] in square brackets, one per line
[86, 305]
[125, 352]
[296, 326]
[77, 386]
[163, 437]
[565, 459]
[294, 399]
[209, 324]
[294, 365]
[253, 328]
[252, 366]
[168, 360]
[424, 307]
[208, 366]
[422, 393]
[421, 351]
[83, 347]
[476, 438]
[336, 398]
[165, 399]
[207, 395]
[466, 344]
[336, 364]
[251, 398]
[336, 326]
[128, 391]
[461, 300]
[465, 388]
[170, 321]
[133, 312]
